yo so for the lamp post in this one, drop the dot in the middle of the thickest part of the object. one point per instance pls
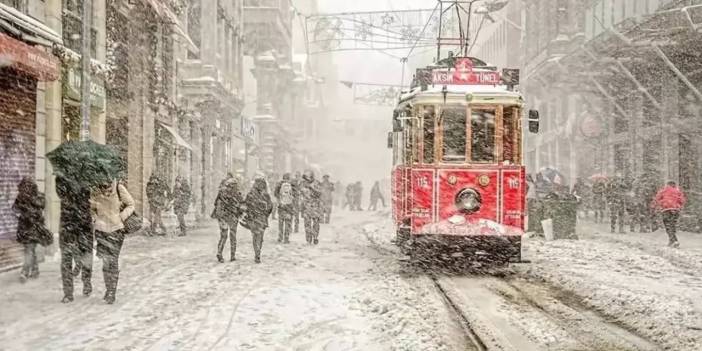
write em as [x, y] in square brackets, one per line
[85, 70]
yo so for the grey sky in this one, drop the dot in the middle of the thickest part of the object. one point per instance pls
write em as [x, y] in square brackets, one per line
[368, 66]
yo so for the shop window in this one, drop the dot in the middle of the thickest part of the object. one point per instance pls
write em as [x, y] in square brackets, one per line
[73, 27]
[688, 162]
[194, 29]
[622, 159]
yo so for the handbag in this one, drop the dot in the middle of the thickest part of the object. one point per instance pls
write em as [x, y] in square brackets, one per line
[134, 222]
[46, 237]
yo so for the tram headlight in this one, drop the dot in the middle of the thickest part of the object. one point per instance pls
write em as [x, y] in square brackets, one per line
[469, 201]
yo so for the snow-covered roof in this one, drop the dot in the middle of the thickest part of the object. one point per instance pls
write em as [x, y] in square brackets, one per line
[460, 89]
[9, 16]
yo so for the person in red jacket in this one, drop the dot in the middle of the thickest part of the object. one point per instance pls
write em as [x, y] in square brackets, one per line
[669, 201]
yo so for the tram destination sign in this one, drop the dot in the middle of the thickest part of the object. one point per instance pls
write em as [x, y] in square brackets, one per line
[464, 74]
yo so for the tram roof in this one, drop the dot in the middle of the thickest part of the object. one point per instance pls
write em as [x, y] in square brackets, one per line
[496, 94]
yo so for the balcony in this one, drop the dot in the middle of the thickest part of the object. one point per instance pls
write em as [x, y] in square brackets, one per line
[267, 26]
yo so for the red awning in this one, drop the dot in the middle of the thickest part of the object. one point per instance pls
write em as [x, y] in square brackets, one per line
[28, 59]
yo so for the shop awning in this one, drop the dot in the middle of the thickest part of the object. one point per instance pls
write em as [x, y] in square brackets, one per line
[162, 10]
[28, 59]
[176, 137]
[13, 20]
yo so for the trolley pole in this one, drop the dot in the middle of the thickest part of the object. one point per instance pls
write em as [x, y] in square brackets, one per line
[85, 71]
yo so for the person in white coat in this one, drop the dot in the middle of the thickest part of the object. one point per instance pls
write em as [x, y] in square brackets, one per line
[111, 204]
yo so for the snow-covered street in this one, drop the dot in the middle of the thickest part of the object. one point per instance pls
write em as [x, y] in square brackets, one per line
[353, 292]
[602, 292]
[173, 295]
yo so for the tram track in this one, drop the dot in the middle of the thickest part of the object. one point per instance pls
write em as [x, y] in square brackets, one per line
[507, 312]
[462, 319]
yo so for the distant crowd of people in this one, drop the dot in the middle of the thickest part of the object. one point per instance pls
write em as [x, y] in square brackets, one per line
[97, 218]
[641, 202]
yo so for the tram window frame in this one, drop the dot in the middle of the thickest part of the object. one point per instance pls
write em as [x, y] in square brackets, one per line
[459, 158]
[496, 138]
[429, 129]
[411, 141]
[511, 134]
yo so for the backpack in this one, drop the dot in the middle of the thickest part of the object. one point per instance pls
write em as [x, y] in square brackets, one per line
[286, 194]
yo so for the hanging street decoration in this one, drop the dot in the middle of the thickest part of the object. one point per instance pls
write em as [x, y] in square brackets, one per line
[371, 30]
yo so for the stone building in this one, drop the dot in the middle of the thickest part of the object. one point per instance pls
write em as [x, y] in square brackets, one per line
[618, 84]
[38, 98]
[210, 96]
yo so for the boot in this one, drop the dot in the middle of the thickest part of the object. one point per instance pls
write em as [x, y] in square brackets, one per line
[220, 258]
[111, 285]
[67, 299]
[87, 285]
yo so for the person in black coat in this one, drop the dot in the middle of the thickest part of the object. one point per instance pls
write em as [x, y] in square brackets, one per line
[76, 238]
[158, 195]
[182, 196]
[258, 208]
[312, 210]
[228, 211]
[29, 208]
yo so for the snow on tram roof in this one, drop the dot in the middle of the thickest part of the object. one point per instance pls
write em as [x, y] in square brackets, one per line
[459, 89]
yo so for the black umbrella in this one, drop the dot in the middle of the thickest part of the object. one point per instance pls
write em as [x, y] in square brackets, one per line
[87, 162]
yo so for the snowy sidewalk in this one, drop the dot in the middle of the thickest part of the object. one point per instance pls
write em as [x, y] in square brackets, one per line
[174, 295]
[633, 278]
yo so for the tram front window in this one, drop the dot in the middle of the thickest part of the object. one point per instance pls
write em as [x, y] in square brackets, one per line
[454, 129]
[483, 139]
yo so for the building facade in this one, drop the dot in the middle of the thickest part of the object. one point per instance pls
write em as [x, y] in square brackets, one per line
[618, 86]
[38, 98]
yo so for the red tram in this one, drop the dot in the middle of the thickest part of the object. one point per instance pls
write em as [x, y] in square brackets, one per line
[458, 178]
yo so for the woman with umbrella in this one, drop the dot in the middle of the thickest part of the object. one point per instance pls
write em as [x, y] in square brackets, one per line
[29, 208]
[75, 235]
[111, 205]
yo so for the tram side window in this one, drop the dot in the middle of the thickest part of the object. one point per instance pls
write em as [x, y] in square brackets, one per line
[411, 156]
[429, 117]
[509, 136]
[454, 129]
[483, 139]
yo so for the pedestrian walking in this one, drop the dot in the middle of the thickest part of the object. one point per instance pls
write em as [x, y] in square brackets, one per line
[348, 195]
[669, 201]
[228, 210]
[297, 206]
[111, 205]
[158, 196]
[311, 207]
[616, 196]
[327, 199]
[29, 209]
[581, 191]
[599, 199]
[76, 239]
[284, 193]
[376, 195]
[182, 196]
[258, 208]
[358, 196]
[272, 181]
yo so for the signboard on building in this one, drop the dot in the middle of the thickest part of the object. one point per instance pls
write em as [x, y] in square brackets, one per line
[248, 128]
[463, 73]
[28, 59]
[97, 88]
